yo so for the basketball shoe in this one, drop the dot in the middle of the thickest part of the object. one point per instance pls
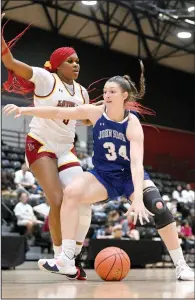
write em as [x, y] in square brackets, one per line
[183, 271]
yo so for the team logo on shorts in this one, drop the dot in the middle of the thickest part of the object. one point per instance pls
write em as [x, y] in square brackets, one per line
[31, 147]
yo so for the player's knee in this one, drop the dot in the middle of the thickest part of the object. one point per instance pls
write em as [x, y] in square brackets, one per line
[153, 201]
[55, 200]
[156, 205]
[72, 195]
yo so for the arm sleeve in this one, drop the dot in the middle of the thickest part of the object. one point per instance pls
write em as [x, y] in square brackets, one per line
[43, 80]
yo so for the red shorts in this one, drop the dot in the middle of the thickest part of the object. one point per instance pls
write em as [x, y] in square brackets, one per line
[36, 149]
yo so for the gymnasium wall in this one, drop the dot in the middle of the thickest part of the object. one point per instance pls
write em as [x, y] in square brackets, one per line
[170, 151]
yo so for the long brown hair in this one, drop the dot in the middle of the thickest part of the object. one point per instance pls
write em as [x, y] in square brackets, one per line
[127, 85]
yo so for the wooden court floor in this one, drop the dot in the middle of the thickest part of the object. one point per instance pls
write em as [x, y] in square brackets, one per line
[140, 283]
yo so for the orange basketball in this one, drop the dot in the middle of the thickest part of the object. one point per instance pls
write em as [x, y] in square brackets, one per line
[112, 264]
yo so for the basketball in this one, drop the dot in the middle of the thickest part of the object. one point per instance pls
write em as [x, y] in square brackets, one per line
[112, 264]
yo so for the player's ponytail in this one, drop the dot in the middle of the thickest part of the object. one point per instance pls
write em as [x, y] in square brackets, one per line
[127, 85]
[133, 93]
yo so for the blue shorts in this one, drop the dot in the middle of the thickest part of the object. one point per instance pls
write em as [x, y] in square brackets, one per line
[116, 186]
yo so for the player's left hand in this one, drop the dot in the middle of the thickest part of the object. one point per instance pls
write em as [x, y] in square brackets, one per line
[12, 108]
[140, 211]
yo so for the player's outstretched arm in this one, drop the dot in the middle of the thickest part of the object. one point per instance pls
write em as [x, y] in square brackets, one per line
[82, 112]
[19, 68]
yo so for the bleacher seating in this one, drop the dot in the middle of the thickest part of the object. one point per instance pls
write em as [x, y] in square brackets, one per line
[12, 158]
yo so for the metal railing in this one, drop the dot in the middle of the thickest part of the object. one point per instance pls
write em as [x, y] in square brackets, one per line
[13, 138]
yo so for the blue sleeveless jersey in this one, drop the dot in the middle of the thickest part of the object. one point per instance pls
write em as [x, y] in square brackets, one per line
[111, 146]
[111, 157]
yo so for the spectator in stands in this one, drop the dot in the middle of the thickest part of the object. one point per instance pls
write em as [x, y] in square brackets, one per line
[129, 229]
[186, 230]
[38, 190]
[187, 235]
[123, 205]
[171, 204]
[88, 162]
[177, 194]
[24, 179]
[167, 200]
[24, 213]
[117, 232]
[111, 205]
[109, 232]
[7, 184]
[100, 207]
[42, 209]
[104, 232]
[4, 183]
[188, 194]
[85, 161]
[114, 217]
[178, 224]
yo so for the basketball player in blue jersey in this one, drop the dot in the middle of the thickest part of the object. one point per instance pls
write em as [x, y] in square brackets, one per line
[118, 170]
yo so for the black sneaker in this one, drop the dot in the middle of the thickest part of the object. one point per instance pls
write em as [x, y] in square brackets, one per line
[78, 264]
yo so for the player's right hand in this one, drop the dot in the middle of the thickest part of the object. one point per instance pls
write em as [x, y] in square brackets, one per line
[2, 16]
[140, 211]
[12, 108]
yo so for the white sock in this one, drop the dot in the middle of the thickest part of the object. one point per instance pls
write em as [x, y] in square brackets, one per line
[57, 250]
[78, 249]
[176, 255]
[68, 247]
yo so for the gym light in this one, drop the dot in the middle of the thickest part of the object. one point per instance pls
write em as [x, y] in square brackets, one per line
[89, 2]
[184, 35]
[191, 8]
[189, 21]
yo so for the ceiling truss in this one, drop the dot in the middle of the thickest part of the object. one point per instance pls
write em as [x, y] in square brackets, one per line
[108, 25]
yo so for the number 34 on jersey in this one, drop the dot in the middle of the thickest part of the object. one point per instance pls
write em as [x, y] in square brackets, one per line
[112, 154]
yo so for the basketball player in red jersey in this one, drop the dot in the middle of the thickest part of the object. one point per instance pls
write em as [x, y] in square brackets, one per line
[49, 144]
